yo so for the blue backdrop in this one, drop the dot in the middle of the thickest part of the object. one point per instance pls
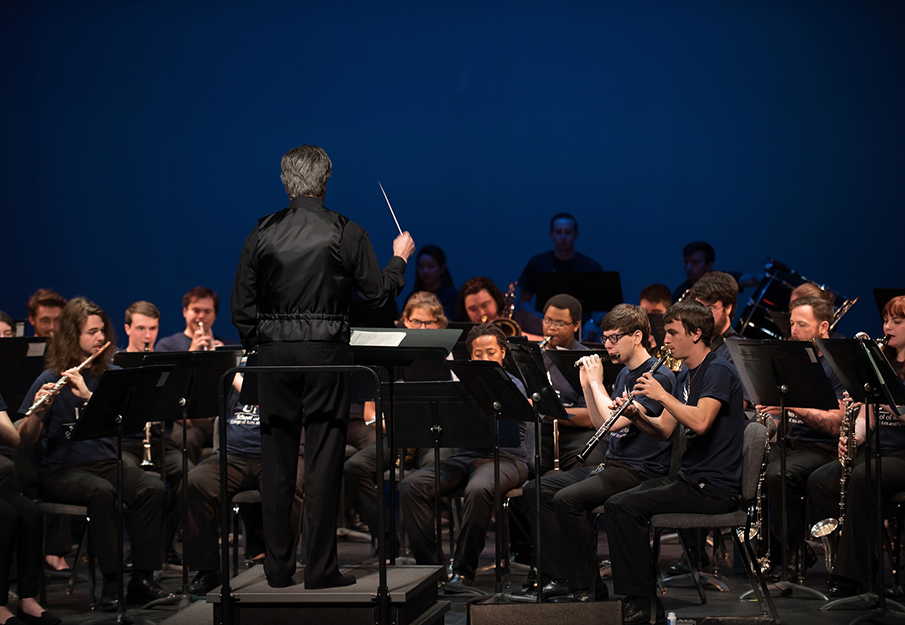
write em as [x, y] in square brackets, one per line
[141, 140]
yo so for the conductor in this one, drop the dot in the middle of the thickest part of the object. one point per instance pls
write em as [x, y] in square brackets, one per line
[291, 298]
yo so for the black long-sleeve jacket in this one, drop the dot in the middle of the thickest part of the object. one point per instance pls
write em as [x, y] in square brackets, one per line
[296, 273]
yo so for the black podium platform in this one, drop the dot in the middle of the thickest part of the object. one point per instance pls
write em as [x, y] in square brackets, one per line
[412, 591]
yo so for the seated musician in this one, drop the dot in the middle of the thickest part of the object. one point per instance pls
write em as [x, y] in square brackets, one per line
[655, 298]
[631, 458]
[243, 438]
[432, 276]
[563, 258]
[706, 401]
[22, 531]
[7, 326]
[83, 473]
[423, 310]
[44, 308]
[811, 442]
[142, 322]
[857, 542]
[200, 307]
[718, 291]
[471, 468]
[480, 301]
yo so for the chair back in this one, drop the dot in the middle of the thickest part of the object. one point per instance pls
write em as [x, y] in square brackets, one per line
[755, 442]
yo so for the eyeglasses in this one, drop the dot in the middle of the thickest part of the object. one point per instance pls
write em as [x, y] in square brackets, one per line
[612, 338]
[714, 306]
[418, 323]
[556, 324]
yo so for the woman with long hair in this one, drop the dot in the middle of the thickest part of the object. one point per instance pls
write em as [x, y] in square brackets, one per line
[432, 275]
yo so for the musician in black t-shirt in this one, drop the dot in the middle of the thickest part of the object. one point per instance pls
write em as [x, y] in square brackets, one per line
[707, 402]
[631, 458]
[811, 440]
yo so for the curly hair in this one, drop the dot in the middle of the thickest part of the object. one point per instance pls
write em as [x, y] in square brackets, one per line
[63, 351]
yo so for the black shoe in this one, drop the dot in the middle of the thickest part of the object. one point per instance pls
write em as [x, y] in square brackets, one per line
[332, 582]
[173, 559]
[458, 583]
[636, 610]
[110, 596]
[46, 618]
[576, 596]
[204, 582]
[839, 586]
[144, 589]
[682, 567]
[556, 588]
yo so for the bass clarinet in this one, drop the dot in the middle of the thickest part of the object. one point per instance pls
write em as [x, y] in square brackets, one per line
[665, 353]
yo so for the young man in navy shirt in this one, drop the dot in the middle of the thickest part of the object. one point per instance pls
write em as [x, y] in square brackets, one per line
[631, 458]
[707, 402]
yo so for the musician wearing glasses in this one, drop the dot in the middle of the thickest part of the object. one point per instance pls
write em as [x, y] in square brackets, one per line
[858, 537]
[423, 310]
[562, 317]
[631, 458]
[811, 440]
[706, 401]
[83, 473]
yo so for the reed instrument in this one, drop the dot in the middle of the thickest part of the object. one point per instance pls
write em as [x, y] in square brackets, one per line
[64, 380]
[760, 500]
[506, 323]
[666, 352]
[829, 530]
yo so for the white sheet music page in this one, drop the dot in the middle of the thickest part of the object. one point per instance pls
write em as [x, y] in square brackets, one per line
[377, 339]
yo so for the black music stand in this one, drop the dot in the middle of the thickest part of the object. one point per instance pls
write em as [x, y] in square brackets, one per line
[121, 404]
[496, 394]
[439, 415]
[783, 373]
[190, 393]
[21, 362]
[596, 290]
[391, 349]
[868, 377]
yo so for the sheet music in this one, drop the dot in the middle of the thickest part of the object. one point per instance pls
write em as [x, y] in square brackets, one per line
[36, 350]
[377, 339]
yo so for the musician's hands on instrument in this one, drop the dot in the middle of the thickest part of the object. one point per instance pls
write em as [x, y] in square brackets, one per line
[648, 386]
[631, 412]
[77, 383]
[44, 390]
[404, 246]
[202, 340]
[773, 411]
[590, 370]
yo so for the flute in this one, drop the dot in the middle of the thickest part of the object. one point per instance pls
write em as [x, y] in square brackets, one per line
[64, 380]
[614, 416]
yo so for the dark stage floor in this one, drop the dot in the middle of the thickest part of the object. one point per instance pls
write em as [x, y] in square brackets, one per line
[681, 597]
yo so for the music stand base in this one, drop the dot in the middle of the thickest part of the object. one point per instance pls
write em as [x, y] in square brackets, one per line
[786, 588]
[707, 580]
[867, 597]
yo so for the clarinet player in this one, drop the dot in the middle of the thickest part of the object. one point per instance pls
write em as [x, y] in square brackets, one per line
[857, 541]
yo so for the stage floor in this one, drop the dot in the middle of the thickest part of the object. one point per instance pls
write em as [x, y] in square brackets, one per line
[681, 597]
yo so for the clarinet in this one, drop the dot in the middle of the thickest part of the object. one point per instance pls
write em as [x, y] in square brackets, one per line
[614, 416]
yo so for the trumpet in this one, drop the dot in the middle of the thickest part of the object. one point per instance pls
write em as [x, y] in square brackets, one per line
[614, 416]
[207, 346]
[64, 380]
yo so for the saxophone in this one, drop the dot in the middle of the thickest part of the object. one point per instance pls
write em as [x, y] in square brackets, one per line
[829, 530]
[760, 500]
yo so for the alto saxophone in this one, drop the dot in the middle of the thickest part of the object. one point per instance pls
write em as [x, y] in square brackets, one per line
[829, 530]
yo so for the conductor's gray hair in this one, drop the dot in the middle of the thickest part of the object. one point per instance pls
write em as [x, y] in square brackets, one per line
[305, 171]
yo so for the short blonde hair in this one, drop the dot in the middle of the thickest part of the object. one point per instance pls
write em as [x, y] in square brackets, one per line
[428, 301]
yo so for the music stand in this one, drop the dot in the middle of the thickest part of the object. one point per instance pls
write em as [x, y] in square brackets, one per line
[596, 290]
[393, 348]
[190, 393]
[781, 373]
[869, 378]
[497, 394]
[21, 362]
[439, 415]
[122, 403]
